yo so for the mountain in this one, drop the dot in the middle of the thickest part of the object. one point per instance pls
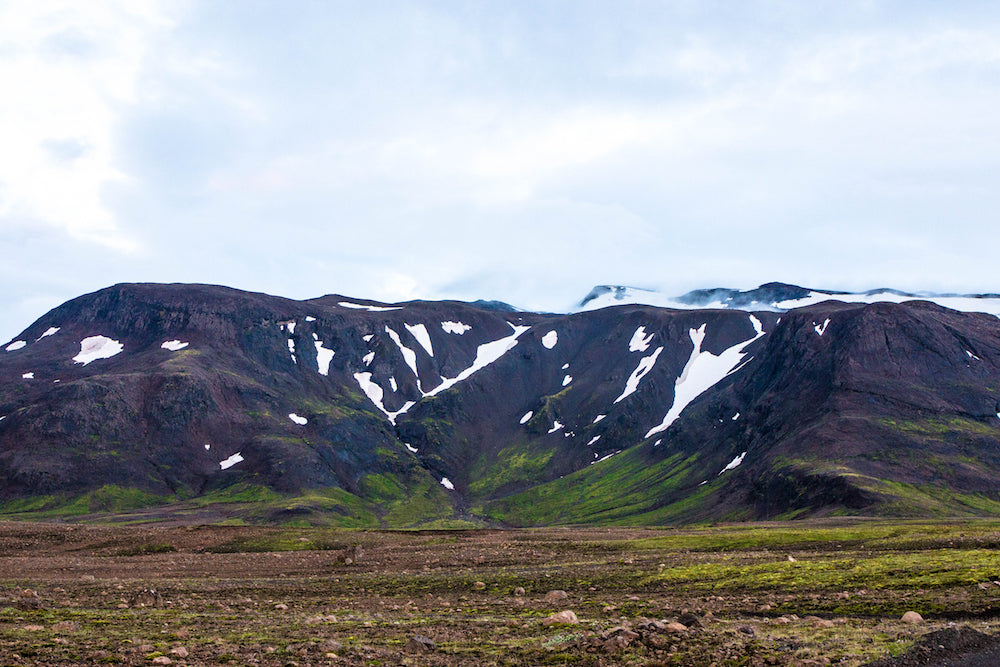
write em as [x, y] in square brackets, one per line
[192, 398]
[777, 297]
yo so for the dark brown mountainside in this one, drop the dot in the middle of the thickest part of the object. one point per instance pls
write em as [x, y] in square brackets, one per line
[342, 411]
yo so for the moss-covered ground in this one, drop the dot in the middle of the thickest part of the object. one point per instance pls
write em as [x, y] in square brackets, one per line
[799, 593]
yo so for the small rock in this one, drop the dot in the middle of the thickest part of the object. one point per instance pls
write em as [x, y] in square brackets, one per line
[33, 628]
[782, 620]
[281, 606]
[690, 619]
[565, 617]
[162, 660]
[913, 618]
[65, 626]
[553, 596]
[676, 627]
[27, 593]
[420, 644]
[747, 630]
[519, 592]
[479, 586]
[180, 652]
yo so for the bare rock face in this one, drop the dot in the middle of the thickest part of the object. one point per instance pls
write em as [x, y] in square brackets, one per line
[565, 617]
[141, 394]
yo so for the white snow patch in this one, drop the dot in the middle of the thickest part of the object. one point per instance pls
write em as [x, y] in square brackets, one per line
[315, 336]
[645, 365]
[173, 345]
[550, 339]
[3, 417]
[368, 358]
[527, 416]
[231, 461]
[703, 370]
[310, 318]
[375, 394]
[446, 483]
[93, 348]
[370, 309]
[301, 421]
[821, 328]
[598, 418]
[566, 380]
[703, 483]
[323, 358]
[291, 326]
[593, 440]
[732, 464]
[410, 447]
[605, 457]
[565, 366]
[455, 327]
[972, 356]
[486, 354]
[48, 332]
[409, 356]
[56, 381]
[291, 346]
[640, 341]
[16, 345]
[392, 383]
[419, 331]
[657, 443]
[368, 338]
[736, 416]
[28, 376]
[207, 447]
[555, 426]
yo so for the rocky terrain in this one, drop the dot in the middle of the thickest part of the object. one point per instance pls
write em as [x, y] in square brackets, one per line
[182, 399]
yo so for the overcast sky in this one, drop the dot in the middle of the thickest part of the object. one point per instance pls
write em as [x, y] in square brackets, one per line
[515, 150]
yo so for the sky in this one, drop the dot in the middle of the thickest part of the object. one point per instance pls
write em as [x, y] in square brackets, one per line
[520, 150]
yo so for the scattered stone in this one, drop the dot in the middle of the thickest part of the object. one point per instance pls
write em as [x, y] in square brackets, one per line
[566, 617]
[791, 559]
[281, 606]
[676, 627]
[913, 618]
[783, 620]
[420, 644]
[162, 660]
[33, 628]
[556, 595]
[479, 586]
[180, 652]
[519, 592]
[88, 577]
[690, 619]
[66, 626]
[747, 630]
[147, 597]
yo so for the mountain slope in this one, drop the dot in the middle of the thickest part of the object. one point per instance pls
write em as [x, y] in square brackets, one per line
[351, 412]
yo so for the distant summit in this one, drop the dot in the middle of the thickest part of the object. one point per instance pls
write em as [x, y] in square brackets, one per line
[777, 297]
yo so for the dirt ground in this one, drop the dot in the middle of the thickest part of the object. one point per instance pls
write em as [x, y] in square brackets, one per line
[213, 595]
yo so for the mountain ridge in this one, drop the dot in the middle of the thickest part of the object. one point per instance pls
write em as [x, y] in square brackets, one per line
[354, 412]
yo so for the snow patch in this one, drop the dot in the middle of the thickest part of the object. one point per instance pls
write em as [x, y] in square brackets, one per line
[323, 358]
[486, 354]
[605, 457]
[410, 447]
[173, 345]
[409, 356]
[565, 366]
[370, 309]
[16, 345]
[550, 339]
[208, 447]
[640, 341]
[555, 426]
[419, 331]
[368, 338]
[736, 416]
[28, 376]
[972, 356]
[527, 417]
[732, 464]
[48, 332]
[593, 440]
[93, 348]
[702, 371]
[392, 383]
[566, 380]
[375, 394]
[231, 461]
[645, 365]
[598, 418]
[310, 318]
[368, 358]
[821, 328]
[455, 327]
[446, 483]
[301, 421]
